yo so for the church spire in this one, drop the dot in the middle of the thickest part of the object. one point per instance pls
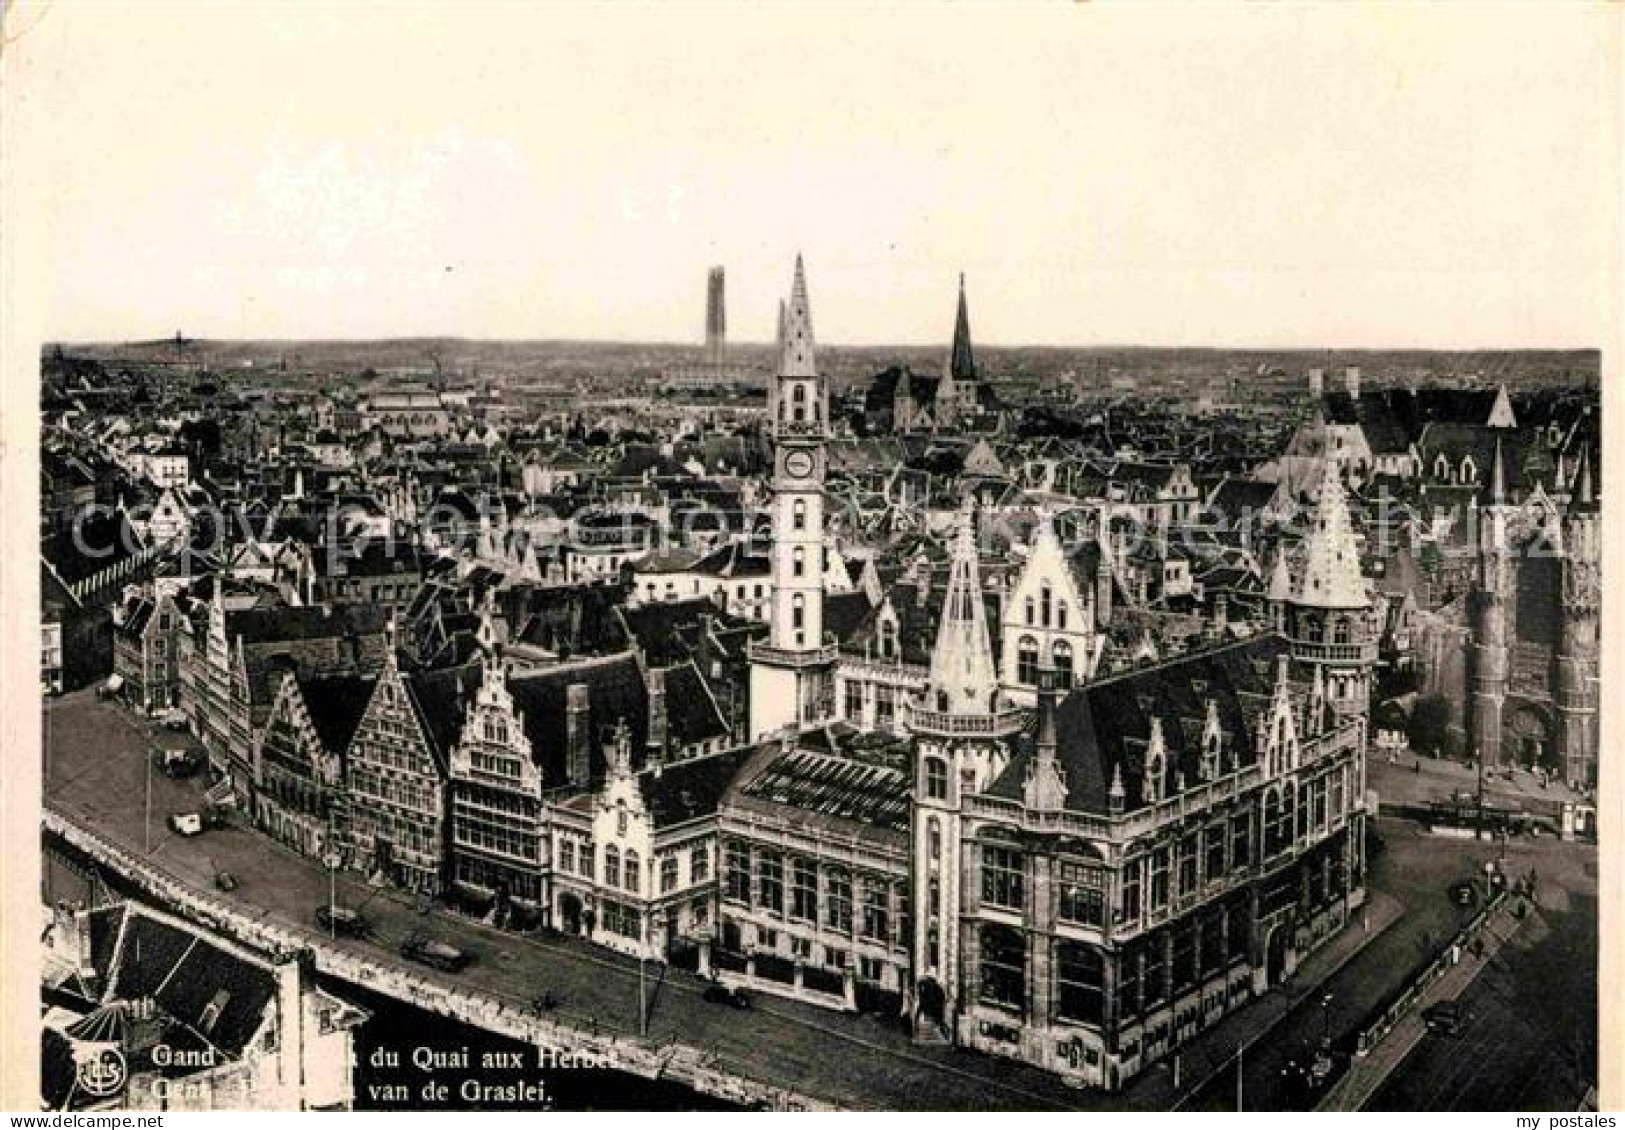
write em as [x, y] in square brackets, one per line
[963, 678]
[961, 362]
[796, 350]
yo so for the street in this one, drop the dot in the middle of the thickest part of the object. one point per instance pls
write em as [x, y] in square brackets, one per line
[1531, 1037]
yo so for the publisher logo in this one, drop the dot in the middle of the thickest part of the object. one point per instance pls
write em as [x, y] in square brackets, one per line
[103, 1074]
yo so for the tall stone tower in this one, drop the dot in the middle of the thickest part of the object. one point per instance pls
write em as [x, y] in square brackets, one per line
[1577, 675]
[963, 731]
[716, 319]
[1488, 608]
[1328, 616]
[792, 675]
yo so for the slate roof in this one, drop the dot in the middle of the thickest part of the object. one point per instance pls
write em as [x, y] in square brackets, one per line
[615, 691]
[335, 705]
[1106, 724]
[687, 790]
[100, 541]
[185, 974]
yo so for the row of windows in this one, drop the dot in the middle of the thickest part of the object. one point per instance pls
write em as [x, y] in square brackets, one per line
[1060, 658]
[815, 894]
[1046, 612]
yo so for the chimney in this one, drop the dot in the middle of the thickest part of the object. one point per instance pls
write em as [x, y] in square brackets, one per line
[1351, 379]
[655, 679]
[1317, 383]
[702, 647]
[577, 746]
[1103, 586]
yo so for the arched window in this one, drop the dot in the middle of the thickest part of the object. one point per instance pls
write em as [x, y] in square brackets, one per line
[1060, 615]
[1061, 660]
[1340, 630]
[934, 837]
[888, 639]
[612, 866]
[798, 562]
[798, 403]
[1044, 605]
[1029, 609]
[1027, 661]
[633, 873]
[798, 514]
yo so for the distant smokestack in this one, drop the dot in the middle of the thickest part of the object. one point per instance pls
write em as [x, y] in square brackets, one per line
[1317, 383]
[716, 319]
[1351, 378]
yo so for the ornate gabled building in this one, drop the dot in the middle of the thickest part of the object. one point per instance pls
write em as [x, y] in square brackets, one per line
[300, 798]
[792, 675]
[396, 773]
[1050, 617]
[1172, 843]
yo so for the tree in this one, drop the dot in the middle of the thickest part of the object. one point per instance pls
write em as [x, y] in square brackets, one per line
[1430, 724]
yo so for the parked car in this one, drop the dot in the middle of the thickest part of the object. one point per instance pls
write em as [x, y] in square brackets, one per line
[1464, 893]
[186, 823]
[718, 993]
[178, 763]
[1446, 1017]
[419, 947]
[341, 920]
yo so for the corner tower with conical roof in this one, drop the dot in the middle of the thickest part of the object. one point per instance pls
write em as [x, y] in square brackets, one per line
[1328, 615]
[963, 731]
[792, 675]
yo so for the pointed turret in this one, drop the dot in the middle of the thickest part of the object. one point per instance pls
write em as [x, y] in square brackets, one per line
[963, 677]
[1331, 574]
[1045, 789]
[1117, 795]
[796, 349]
[1584, 493]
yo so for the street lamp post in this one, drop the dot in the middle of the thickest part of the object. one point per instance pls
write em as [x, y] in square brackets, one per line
[147, 806]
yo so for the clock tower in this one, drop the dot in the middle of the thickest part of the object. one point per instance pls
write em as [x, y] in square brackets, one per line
[792, 674]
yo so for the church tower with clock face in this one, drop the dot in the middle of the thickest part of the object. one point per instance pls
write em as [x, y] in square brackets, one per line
[792, 674]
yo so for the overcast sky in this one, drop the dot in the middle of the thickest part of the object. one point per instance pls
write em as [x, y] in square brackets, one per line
[1274, 177]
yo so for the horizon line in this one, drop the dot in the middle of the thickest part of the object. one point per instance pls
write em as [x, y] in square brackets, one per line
[768, 345]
